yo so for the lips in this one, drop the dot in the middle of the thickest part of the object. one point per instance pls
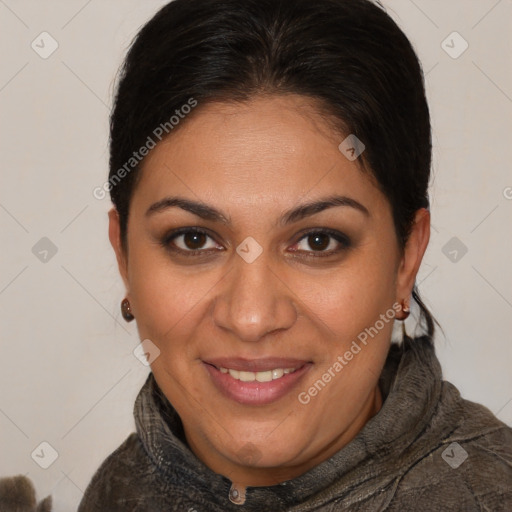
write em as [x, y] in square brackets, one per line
[257, 381]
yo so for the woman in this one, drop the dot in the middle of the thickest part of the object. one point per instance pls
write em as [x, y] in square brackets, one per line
[269, 170]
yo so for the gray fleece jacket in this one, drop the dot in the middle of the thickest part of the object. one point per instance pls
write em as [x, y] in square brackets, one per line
[426, 450]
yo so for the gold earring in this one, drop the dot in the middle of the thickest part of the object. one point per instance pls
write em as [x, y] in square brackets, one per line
[406, 310]
[126, 310]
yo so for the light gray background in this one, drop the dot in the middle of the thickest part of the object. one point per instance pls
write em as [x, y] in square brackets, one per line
[67, 373]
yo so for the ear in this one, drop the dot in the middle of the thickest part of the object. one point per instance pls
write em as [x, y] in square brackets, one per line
[114, 234]
[413, 254]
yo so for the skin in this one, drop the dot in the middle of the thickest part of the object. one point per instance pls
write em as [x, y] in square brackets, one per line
[253, 162]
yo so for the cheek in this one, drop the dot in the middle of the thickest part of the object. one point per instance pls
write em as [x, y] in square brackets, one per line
[352, 296]
[348, 306]
[166, 302]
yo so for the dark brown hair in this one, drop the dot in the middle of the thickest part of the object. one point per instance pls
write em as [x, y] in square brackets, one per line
[348, 55]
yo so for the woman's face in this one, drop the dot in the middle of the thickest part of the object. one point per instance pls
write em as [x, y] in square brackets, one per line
[264, 265]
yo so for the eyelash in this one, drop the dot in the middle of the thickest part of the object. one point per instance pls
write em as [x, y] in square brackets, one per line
[342, 239]
[168, 239]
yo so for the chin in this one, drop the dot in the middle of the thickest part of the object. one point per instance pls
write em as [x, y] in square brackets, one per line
[266, 453]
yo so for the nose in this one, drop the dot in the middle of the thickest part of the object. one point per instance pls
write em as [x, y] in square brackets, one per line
[254, 301]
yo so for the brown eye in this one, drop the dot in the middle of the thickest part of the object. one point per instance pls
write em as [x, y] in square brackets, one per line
[194, 241]
[190, 240]
[318, 242]
[324, 242]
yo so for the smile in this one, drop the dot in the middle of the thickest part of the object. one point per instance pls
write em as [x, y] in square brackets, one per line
[265, 376]
[256, 382]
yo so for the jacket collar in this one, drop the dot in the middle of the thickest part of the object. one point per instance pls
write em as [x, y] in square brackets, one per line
[411, 384]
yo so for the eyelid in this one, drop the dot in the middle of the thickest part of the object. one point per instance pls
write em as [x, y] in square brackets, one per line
[342, 239]
[175, 233]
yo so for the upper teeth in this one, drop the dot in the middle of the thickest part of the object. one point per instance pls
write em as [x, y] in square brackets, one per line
[259, 376]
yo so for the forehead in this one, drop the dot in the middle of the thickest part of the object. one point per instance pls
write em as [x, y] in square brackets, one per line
[274, 149]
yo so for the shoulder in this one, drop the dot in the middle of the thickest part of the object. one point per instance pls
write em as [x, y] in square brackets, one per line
[128, 480]
[469, 467]
[116, 484]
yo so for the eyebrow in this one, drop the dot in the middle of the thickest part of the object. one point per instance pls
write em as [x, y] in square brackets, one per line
[318, 206]
[197, 208]
[207, 212]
